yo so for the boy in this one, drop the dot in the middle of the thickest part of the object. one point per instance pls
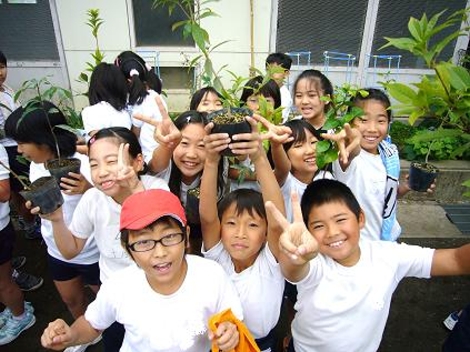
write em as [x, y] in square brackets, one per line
[165, 301]
[373, 172]
[284, 61]
[345, 285]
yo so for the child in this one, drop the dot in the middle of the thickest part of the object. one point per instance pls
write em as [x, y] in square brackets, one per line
[31, 127]
[18, 315]
[29, 223]
[295, 163]
[179, 160]
[206, 99]
[284, 61]
[345, 285]
[115, 160]
[250, 98]
[142, 101]
[309, 87]
[108, 98]
[166, 300]
[373, 174]
[239, 234]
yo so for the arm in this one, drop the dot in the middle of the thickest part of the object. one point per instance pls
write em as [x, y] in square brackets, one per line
[58, 335]
[452, 261]
[297, 245]
[4, 190]
[210, 222]
[251, 144]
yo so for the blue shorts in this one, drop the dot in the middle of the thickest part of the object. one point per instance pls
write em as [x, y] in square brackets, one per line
[63, 271]
[7, 241]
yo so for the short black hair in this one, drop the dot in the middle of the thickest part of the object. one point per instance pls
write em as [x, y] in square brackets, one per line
[298, 135]
[375, 94]
[32, 124]
[245, 200]
[269, 89]
[326, 191]
[200, 94]
[281, 59]
[3, 58]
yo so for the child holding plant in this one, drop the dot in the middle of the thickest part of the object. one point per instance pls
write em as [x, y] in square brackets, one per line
[238, 234]
[39, 140]
[166, 300]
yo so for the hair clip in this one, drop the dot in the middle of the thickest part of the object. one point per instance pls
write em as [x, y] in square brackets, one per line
[188, 119]
[134, 72]
[92, 140]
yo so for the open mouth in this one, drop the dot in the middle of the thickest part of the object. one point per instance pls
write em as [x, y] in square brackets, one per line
[162, 267]
[336, 244]
[106, 185]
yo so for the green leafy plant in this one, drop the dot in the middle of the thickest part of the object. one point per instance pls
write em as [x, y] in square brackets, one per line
[342, 111]
[443, 96]
[94, 21]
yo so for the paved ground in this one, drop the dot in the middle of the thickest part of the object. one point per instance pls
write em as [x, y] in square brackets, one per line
[418, 308]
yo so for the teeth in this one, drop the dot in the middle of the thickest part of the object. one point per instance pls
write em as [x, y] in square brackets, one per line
[162, 266]
[336, 244]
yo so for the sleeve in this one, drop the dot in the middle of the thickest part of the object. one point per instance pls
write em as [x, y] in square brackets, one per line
[4, 173]
[101, 313]
[91, 118]
[82, 225]
[413, 261]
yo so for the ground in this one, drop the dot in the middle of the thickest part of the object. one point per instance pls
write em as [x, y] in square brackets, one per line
[414, 325]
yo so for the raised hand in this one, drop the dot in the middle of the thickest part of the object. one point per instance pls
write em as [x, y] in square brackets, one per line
[296, 242]
[214, 143]
[166, 133]
[126, 175]
[57, 335]
[348, 141]
[274, 133]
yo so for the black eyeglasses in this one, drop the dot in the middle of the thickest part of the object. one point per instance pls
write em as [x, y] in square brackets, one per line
[147, 245]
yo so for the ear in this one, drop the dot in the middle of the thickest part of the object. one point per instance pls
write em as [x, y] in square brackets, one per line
[362, 219]
[138, 163]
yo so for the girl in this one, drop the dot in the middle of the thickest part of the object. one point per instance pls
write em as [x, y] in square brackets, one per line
[206, 99]
[166, 281]
[238, 234]
[108, 98]
[142, 100]
[309, 87]
[295, 162]
[31, 128]
[115, 160]
[180, 159]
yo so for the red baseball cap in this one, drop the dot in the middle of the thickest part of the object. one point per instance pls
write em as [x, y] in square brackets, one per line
[143, 208]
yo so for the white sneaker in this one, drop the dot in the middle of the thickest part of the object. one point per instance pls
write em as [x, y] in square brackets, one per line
[81, 348]
[451, 320]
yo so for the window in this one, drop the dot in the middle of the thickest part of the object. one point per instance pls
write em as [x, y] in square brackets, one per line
[153, 26]
[177, 77]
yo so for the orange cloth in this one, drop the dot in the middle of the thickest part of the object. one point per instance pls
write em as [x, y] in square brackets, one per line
[247, 342]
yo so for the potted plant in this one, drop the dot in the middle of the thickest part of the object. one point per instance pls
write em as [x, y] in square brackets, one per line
[44, 192]
[422, 173]
[443, 96]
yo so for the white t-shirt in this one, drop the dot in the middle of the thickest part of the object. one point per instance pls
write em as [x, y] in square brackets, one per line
[98, 215]
[90, 253]
[254, 185]
[346, 308]
[260, 287]
[148, 108]
[103, 115]
[286, 102]
[8, 105]
[293, 184]
[367, 178]
[165, 175]
[4, 175]
[156, 322]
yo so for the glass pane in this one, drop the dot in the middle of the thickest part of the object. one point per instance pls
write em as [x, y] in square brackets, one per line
[177, 77]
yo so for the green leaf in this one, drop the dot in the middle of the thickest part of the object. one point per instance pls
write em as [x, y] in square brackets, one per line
[401, 92]
[415, 28]
[458, 76]
[323, 146]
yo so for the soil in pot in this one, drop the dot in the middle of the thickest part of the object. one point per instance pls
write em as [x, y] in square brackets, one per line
[231, 121]
[421, 176]
[44, 193]
[61, 167]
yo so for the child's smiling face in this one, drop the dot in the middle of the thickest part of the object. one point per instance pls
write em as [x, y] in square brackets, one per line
[243, 235]
[336, 228]
[373, 125]
[209, 102]
[302, 155]
[165, 266]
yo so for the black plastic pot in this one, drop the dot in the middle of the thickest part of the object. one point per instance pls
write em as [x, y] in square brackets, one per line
[61, 168]
[421, 176]
[44, 193]
[231, 128]
[192, 206]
